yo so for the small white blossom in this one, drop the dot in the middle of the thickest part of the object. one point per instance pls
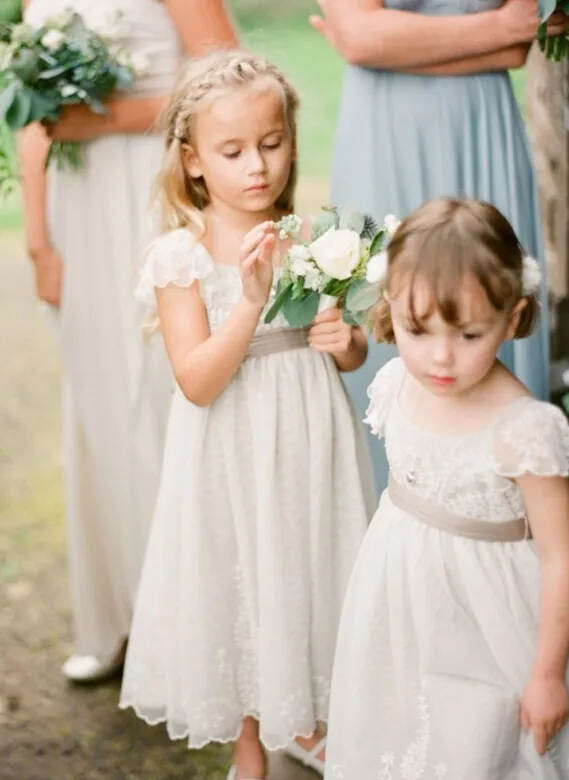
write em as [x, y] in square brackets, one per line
[68, 90]
[283, 235]
[139, 63]
[53, 39]
[21, 33]
[391, 223]
[289, 225]
[314, 279]
[376, 268]
[5, 56]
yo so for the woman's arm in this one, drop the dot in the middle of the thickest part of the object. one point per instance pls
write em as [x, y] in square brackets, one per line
[203, 363]
[545, 702]
[203, 24]
[369, 35]
[506, 59]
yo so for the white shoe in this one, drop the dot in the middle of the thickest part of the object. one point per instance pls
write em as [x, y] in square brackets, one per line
[88, 668]
[308, 757]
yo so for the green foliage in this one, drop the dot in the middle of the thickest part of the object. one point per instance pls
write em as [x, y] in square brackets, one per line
[10, 11]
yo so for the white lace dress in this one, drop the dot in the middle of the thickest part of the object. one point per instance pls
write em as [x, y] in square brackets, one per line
[263, 505]
[438, 632]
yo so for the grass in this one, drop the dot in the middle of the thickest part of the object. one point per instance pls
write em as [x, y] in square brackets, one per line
[314, 67]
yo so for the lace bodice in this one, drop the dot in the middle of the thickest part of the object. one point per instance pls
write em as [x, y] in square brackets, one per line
[143, 26]
[178, 258]
[469, 474]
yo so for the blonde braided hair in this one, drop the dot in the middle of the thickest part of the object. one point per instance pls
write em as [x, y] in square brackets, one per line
[180, 198]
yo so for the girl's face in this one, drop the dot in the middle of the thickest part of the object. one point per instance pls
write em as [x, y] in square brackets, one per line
[450, 359]
[243, 149]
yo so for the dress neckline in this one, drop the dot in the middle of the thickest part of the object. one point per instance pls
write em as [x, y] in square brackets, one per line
[481, 431]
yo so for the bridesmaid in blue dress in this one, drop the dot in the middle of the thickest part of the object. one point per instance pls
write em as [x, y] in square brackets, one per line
[428, 110]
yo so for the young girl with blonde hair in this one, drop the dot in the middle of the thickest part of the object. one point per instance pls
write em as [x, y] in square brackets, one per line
[265, 490]
[453, 645]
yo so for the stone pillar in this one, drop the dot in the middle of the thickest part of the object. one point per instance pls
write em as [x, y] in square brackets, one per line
[547, 118]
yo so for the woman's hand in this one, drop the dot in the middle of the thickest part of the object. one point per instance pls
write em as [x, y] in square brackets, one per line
[256, 263]
[521, 18]
[78, 123]
[49, 274]
[544, 709]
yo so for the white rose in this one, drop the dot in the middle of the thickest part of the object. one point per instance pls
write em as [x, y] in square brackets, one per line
[53, 39]
[391, 223]
[337, 252]
[376, 268]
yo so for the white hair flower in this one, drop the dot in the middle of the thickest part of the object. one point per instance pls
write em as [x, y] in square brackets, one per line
[376, 268]
[531, 276]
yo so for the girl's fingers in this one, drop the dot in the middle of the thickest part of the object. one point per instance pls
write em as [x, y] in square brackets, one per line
[524, 719]
[540, 738]
[266, 249]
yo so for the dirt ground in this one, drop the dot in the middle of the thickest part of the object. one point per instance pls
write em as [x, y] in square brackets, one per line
[50, 730]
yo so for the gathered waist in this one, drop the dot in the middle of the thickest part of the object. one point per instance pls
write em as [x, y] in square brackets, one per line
[442, 519]
[271, 342]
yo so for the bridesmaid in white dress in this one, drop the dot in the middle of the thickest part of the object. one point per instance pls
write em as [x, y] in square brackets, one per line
[85, 231]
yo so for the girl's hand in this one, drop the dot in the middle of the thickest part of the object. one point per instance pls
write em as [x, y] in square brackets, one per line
[77, 123]
[49, 274]
[256, 263]
[521, 18]
[329, 333]
[544, 709]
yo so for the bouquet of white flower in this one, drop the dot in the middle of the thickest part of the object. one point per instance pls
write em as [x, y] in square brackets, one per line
[61, 63]
[342, 265]
[555, 47]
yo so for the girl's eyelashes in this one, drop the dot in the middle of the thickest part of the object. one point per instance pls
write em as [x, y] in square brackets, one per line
[273, 146]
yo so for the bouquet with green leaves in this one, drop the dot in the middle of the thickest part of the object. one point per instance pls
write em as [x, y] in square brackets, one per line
[555, 47]
[61, 63]
[342, 266]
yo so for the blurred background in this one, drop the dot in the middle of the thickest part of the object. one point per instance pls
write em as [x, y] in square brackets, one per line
[49, 730]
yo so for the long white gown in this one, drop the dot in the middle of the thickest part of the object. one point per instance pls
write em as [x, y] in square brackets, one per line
[438, 632]
[117, 386]
[264, 501]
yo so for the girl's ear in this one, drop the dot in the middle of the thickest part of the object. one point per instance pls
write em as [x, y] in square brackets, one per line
[514, 319]
[191, 162]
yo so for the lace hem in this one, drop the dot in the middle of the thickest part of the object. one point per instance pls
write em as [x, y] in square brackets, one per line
[229, 738]
[174, 258]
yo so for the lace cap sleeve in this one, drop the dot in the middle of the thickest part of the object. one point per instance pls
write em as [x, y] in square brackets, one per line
[174, 258]
[532, 438]
[382, 392]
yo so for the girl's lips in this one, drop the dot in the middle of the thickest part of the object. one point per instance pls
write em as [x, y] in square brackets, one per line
[442, 380]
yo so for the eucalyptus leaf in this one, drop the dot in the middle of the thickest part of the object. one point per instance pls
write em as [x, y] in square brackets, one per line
[546, 8]
[323, 223]
[6, 99]
[283, 291]
[25, 65]
[376, 245]
[300, 314]
[42, 107]
[18, 115]
[362, 295]
[352, 221]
